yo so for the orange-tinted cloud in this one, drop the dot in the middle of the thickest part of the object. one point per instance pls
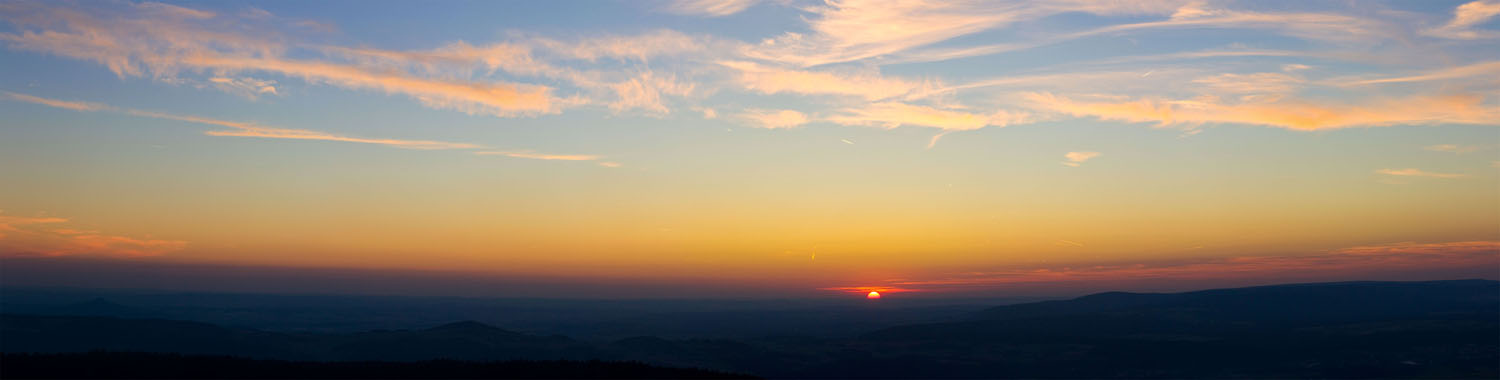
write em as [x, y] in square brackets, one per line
[1404, 256]
[555, 157]
[10, 224]
[496, 98]
[1282, 113]
[64, 104]
[1465, 18]
[542, 156]
[532, 56]
[142, 40]
[868, 289]
[34, 236]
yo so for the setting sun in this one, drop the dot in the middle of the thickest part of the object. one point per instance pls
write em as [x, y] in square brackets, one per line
[873, 295]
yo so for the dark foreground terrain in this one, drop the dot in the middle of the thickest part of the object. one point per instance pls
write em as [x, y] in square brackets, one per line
[137, 365]
[1439, 329]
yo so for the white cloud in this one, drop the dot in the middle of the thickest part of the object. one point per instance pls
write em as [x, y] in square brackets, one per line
[773, 119]
[1076, 159]
[709, 8]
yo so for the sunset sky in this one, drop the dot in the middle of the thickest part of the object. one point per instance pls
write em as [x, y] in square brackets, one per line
[801, 148]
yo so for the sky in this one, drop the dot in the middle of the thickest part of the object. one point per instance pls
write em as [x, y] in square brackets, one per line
[773, 148]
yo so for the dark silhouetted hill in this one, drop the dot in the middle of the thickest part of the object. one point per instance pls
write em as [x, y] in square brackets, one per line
[1285, 303]
[120, 365]
[1356, 329]
[101, 307]
[1331, 330]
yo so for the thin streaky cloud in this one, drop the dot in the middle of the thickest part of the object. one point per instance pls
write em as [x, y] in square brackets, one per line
[895, 114]
[1484, 71]
[298, 134]
[1454, 148]
[1189, 15]
[71, 105]
[9, 223]
[1296, 114]
[858, 29]
[247, 87]
[40, 237]
[1411, 172]
[243, 129]
[542, 156]
[708, 8]
[140, 44]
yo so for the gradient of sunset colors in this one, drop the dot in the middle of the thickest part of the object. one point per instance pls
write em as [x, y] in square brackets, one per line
[794, 148]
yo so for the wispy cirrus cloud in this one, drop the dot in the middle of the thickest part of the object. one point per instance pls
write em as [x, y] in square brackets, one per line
[1465, 18]
[242, 129]
[140, 39]
[556, 157]
[135, 40]
[1483, 72]
[853, 30]
[1283, 113]
[542, 156]
[771, 80]
[1410, 172]
[245, 86]
[895, 114]
[709, 8]
[857, 29]
[841, 59]
[253, 130]
[64, 104]
[636, 88]
[1252, 83]
[1454, 148]
[45, 236]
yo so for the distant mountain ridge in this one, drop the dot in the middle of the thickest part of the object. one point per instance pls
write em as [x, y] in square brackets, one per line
[104, 365]
[1331, 330]
[1314, 300]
